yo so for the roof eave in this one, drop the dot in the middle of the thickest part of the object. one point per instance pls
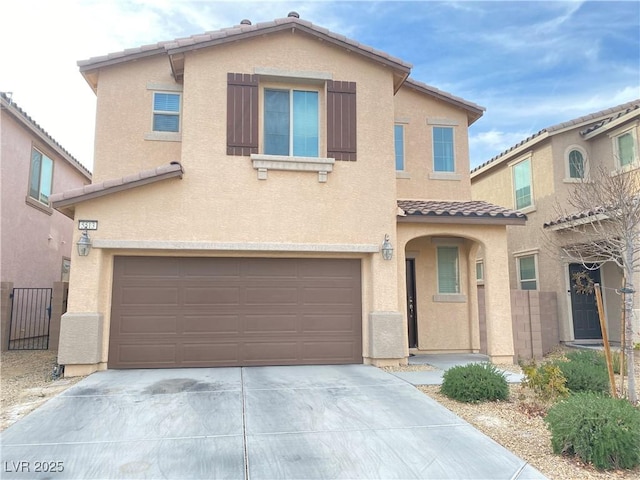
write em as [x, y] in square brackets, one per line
[614, 124]
[462, 219]
[66, 205]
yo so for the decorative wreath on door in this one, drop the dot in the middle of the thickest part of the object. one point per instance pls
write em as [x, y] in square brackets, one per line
[583, 283]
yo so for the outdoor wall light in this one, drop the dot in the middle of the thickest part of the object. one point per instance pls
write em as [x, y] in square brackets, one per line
[387, 248]
[84, 244]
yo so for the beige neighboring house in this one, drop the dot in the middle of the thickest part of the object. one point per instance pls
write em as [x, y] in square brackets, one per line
[36, 240]
[278, 194]
[540, 173]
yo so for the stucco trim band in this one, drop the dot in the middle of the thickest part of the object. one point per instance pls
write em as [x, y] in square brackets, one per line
[232, 246]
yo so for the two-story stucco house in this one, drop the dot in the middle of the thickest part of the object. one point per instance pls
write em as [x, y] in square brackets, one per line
[535, 177]
[274, 194]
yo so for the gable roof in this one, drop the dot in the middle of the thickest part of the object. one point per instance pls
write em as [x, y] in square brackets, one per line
[175, 49]
[594, 122]
[474, 111]
[7, 104]
[474, 211]
[65, 202]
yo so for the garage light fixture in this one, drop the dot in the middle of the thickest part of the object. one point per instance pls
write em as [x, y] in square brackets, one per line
[387, 248]
[84, 244]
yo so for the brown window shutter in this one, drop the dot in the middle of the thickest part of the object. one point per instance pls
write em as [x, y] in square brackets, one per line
[242, 114]
[341, 120]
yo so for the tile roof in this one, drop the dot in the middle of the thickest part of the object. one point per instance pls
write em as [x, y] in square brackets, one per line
[609, 114]
[236, 33]
[454, 212]
[573, 217]
[64, 202]
[9, 105]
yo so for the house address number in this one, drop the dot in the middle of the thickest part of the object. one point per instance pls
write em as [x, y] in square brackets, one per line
[87, 224]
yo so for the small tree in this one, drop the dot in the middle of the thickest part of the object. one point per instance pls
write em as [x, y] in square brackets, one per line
[600, 222]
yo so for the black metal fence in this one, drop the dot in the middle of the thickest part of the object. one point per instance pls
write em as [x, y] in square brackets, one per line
[30, 318]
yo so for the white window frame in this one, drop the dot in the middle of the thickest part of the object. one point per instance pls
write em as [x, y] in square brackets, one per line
[480, 279]
[290, 90]
[43, 157]
[532, 206]
[567, 166]
[518, 257]
[153, 135]
[635, 162]
[404, 156]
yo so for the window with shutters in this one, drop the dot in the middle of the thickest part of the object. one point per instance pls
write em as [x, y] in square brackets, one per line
[283, 120]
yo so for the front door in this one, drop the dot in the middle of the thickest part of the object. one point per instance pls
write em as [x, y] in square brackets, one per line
[412, 316]
[586, 323]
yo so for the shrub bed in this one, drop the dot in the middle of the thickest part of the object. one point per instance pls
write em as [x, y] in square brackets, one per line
[474, 383]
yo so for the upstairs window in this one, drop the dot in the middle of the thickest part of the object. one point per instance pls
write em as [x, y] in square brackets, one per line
[522, 184]
[443, 160]
[626, 149]
[166, 112]
[41, 177]
[448, 270]
[291, 123]
[398, 134]
[576, 164]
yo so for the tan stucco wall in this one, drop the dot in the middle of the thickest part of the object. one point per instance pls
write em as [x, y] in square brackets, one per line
[419, 114]
[34, 241]
[444, 326]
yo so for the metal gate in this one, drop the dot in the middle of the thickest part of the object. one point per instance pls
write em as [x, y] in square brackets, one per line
[30, 318]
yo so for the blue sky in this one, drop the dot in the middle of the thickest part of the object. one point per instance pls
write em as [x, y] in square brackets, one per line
[530, 64]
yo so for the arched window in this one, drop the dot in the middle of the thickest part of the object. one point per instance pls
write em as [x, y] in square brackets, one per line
[576, 164]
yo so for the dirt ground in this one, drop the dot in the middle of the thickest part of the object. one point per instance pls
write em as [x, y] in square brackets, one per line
[26, 383]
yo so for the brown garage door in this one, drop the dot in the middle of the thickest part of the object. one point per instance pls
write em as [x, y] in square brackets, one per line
[203, 312]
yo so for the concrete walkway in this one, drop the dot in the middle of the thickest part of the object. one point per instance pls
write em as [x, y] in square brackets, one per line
[307, 422]
[441, 363]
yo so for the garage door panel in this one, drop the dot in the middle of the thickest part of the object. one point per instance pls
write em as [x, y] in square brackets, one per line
[266, 295]
[234, 311]
[132, 296]
[211, 295]
[329, 351]
[149, 267]
[207, 354]
[211, 323]
[274, 324]
[140, 355]
[328, 323]
[143, 324]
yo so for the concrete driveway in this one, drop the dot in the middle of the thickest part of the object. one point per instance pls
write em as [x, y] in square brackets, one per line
[308, 422]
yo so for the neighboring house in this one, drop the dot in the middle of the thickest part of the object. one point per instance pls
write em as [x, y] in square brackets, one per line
[537, 175]
[249, 185]
[36, 240]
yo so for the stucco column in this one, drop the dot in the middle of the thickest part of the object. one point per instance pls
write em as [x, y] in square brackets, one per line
[385, 325]
[498, 302]
[81, 347]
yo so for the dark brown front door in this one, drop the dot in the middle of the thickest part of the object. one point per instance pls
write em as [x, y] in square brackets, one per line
[412, 316]
[586, 323]
[204, 312]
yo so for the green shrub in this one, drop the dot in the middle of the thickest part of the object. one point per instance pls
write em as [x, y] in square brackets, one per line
[474, 383]
[585, 371]
[546, 381]
[600, 430]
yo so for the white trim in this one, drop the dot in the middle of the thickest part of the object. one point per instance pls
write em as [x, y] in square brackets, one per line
[535, 266]
[231, 246]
